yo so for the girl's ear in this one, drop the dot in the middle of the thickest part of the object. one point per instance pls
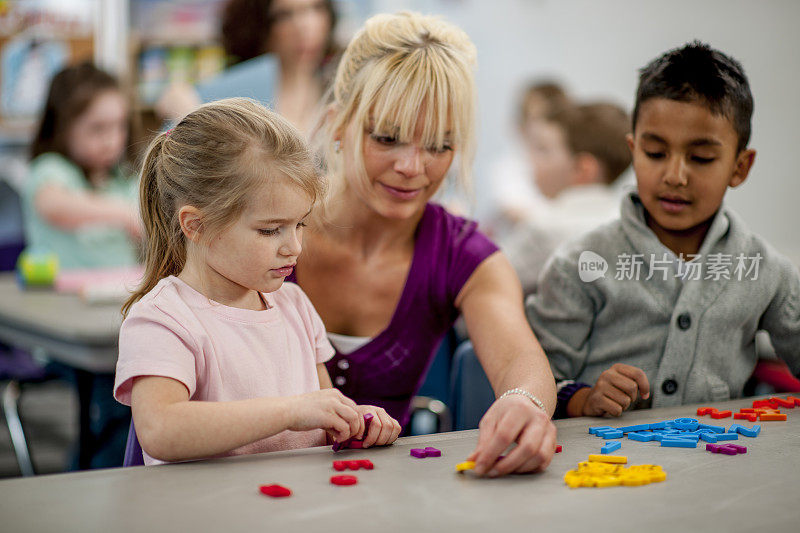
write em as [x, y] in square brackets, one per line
[191, 221]
[744, 162]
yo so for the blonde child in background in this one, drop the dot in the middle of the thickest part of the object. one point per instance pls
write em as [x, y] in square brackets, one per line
[579, 153]
[217, 355]
[78, 201]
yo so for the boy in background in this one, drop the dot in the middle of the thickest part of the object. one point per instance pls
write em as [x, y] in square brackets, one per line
[579, 152]
[514, 195]
[661, 307]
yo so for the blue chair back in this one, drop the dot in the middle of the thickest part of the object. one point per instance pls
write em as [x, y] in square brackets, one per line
[436, 383]
[472, 393]
[12, 237]
[133, 451]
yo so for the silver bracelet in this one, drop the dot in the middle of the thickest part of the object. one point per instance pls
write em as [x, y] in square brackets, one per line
[527, 394]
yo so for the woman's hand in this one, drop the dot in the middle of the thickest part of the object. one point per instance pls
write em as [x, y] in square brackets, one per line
[326, 409]
[514, 419]
[383, 429]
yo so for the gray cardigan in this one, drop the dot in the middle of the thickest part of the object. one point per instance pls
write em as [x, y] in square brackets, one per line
[694, 336]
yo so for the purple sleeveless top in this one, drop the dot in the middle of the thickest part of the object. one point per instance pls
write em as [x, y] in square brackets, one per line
[389, 370]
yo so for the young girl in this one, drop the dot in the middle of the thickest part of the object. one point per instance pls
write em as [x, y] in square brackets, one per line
[217, 356]
[78, 201]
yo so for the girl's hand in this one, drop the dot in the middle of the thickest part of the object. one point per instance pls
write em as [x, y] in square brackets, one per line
[383, 429]
[326, 409]
[514, 419]
[615, 391]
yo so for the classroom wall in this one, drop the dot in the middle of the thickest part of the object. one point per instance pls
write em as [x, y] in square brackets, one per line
[595, 48]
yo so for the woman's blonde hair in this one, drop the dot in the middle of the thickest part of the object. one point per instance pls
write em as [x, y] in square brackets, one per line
[213, 160]
[395, 67]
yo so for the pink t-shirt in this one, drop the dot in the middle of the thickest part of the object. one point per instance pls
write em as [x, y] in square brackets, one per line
[223, 353]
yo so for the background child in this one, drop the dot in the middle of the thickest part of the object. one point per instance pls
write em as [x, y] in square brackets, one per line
[217, 355]
[515, 195]
[78, 200]
[578, 153]
[677, 322]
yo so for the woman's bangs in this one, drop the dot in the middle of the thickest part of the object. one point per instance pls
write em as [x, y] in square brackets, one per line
[414, 90]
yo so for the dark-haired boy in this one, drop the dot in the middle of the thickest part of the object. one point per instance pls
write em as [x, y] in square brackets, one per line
[661, 307]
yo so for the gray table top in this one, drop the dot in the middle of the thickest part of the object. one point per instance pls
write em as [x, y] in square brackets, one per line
[703, 491]
[67, 328]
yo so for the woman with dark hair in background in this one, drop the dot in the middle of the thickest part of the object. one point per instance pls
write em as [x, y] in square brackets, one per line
[279, 52]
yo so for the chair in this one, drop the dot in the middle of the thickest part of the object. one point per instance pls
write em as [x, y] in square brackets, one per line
[771, 375]
[12, 237]
[11, 394]
[471, 391]
[429, 408]
[17, 367]
[133, 451]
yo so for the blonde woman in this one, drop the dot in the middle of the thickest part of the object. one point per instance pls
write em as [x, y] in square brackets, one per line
[217, 356]
[388, 270]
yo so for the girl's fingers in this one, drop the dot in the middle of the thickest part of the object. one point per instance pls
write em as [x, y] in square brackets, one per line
[396, 429]
[343, 399]
[387, 428]
[351, 417]
[339, 429]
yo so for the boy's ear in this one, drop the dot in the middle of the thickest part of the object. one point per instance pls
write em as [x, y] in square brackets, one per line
[630, 141]
[744, 162]
[191, 221]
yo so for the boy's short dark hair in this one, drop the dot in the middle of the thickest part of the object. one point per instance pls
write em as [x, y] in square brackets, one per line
[698, 73]
[598, 129]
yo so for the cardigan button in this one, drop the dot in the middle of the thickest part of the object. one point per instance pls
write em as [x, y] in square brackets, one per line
[343, 364]
[684, 321]
[670, 386]
[340, 380]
